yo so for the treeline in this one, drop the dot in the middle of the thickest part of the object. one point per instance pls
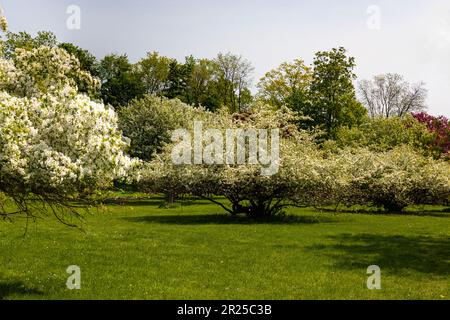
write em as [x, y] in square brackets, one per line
[324, 92]
[224, 80]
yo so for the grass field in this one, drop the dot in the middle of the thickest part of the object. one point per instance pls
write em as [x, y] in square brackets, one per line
[196, 251]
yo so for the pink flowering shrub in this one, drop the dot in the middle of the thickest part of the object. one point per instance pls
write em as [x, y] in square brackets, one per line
[440, 127]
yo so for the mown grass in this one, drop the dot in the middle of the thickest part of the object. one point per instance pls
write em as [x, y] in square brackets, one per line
[196, 251]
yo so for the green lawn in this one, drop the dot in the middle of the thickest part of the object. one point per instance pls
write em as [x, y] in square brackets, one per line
[195, 251]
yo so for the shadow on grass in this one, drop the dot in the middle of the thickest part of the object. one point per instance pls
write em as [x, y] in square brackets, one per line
[394, 254]
[444, 213]
[434, 214]
[228, 219]
[9, 288]
[157, 202]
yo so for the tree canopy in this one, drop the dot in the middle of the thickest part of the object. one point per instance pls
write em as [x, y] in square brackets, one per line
[56, 144]
[390, 95]
[323, 92]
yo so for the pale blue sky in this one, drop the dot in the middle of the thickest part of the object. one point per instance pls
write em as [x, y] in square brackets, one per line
[413, 39]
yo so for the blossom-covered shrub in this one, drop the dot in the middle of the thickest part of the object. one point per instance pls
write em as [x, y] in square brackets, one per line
[44, 70]
[55, 144]
[307, 175]
[393, 179]
[300, 179]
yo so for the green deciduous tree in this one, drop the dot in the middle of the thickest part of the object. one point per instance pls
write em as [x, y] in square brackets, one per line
[178, 79]
[153, 72]
[233, 74]
[149, 121]
[200, 83]
[120, 84]
[23, 40]
[332, 92]
[288, 85]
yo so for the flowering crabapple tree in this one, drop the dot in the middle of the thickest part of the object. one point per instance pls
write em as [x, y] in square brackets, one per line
[391, 179]
[306, 176]
[56, 145]
[301, 178]
[440, 128]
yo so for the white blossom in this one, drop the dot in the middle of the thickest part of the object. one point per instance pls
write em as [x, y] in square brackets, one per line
[53, 139]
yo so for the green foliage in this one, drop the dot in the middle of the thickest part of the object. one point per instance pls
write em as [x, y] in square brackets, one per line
[120, 84]
[178, 79]
[383, 134]
[88, 63]
[289, 85]
[87, 60]
[202, 86]
[224, 81]
[333, 95]
[233, 74]
[23, 40]
[153, 72]
[324, 93]
[149, 121]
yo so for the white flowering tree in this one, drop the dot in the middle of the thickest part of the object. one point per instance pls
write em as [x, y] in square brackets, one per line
[306, 175]
[392, 179]
[301, 177]
[56, 145]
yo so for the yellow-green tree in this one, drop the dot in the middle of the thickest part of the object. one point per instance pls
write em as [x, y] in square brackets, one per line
[286, 85]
